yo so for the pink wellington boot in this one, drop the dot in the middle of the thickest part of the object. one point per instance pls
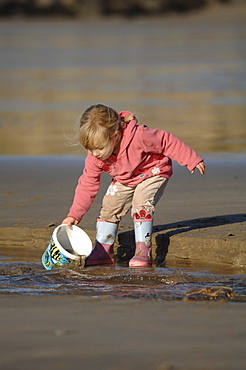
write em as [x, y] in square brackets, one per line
[103, 253]
[143, 251]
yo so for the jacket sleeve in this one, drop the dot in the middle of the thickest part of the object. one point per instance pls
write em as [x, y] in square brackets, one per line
[163, 142]
[86, 190]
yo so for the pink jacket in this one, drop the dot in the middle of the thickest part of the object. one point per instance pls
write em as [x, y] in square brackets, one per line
[143, 153]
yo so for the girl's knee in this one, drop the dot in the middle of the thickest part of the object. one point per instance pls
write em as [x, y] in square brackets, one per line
[109, 216]
[144, 211]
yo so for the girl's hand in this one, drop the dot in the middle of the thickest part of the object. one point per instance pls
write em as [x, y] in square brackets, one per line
[201, 168]
[69, 221]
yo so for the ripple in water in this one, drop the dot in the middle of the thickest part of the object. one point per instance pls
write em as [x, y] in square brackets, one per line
[161, 283]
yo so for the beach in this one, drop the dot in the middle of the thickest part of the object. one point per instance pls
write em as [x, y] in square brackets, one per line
[183, 73]
[104, 327]
[201, 218]
[85, 333]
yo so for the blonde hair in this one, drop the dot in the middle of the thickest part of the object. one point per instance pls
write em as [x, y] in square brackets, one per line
[99, 124]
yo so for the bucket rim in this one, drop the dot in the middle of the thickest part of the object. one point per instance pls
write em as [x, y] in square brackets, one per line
[63, 250]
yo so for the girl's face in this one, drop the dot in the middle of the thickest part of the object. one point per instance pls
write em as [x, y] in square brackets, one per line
[102, 152]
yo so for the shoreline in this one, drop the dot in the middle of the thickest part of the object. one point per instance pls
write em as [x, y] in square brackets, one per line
[199, 218]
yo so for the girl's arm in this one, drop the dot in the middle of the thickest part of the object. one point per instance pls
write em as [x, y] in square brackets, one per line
[86, 191]
[160, 141]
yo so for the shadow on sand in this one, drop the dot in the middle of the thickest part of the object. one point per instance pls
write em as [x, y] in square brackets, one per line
[127, 243]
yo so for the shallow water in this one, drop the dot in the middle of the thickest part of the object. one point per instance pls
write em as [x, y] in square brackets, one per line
[182, 74]
[20, 274]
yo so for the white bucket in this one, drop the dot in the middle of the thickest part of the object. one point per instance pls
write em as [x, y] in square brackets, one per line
[72, 242]
[67, 244]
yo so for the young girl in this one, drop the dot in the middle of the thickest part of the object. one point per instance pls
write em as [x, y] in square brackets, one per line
[139, 160]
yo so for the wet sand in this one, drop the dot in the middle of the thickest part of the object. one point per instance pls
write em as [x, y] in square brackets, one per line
[205, 219]
[74, 332]
[199, 218]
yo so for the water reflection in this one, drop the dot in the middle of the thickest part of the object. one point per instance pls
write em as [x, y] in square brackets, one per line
[184, 75]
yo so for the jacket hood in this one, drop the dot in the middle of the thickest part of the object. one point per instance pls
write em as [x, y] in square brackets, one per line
[129, 130]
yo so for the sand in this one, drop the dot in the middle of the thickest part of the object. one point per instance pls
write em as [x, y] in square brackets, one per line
[200, 218]
[75, 332]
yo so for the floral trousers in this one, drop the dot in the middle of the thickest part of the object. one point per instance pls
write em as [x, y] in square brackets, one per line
[141, 199]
